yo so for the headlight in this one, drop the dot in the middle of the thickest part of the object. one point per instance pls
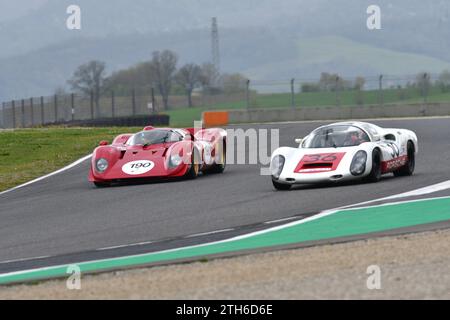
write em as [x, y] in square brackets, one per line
[175, 160]
[276, 166]
[358, 165]
[101, 165]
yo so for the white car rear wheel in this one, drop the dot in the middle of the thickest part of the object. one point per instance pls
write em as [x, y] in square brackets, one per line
[408, 168]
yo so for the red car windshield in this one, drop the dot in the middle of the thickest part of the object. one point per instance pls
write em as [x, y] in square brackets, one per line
[147, 138]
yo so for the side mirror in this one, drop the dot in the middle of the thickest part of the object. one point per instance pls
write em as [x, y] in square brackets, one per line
[299, 140]
[103, 143]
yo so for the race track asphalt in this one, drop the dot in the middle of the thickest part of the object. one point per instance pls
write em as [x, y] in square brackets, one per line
[65, 219]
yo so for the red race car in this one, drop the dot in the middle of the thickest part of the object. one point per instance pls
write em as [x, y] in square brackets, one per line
[159, 153]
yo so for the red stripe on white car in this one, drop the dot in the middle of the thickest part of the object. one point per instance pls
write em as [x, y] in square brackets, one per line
[321, 162]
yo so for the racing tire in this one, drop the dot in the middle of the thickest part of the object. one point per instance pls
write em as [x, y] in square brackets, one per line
[101, 184]
[408, 168]
[281, 186]
[375, 173]
[220, 167]
[194, 167]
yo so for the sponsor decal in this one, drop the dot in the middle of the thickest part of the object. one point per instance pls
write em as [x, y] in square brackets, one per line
[394, 164]
[138, 167]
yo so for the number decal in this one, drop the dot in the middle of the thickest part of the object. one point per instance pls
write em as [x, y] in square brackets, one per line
[395, 150]
[329, 158]
[320, 157]
[138, 167]
[317, 163]
[312, 158]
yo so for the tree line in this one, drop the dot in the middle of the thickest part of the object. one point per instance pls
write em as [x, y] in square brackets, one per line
[161, 73]
[330, 82]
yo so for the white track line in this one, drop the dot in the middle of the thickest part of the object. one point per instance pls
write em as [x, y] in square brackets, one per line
[414, 193]
[318, 216]
[70, 166]
[422, 191]
[426, 190]
[208, 233]
[282, 220]
[125, 246]
[25, 259]
[394, 203]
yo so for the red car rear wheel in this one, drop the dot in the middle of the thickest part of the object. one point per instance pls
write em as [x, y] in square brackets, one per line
[194, 167]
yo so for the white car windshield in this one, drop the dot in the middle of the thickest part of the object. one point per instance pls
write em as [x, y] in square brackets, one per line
[336, 136]
[147, 138]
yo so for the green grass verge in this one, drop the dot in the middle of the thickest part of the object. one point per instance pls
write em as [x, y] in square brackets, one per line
[31, 153]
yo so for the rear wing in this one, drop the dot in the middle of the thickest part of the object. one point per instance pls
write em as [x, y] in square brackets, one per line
[210, 135]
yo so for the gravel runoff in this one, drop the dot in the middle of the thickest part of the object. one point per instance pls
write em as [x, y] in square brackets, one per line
[415, 266]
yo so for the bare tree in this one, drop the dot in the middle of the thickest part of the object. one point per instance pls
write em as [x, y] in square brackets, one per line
[234, 83]
[333, 82]
[162, 69]
[359, 84]
[124, 81]
[359, 87]
[189, 77]
[210, 77]
[60, 91]
[89, 79]
[444, 81]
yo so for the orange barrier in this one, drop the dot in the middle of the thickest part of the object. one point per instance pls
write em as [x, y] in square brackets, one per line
[215, 118]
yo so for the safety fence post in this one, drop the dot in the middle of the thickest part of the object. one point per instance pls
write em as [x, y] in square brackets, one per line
[42, 111]
[22, 112]
[338, 102]
[55, 103]
[72, 106]
[133, 101]
[247, 93]
[32, 111]
[113, 104]
[13, 106]
[380, 88]
[293, 93]
[92, 105]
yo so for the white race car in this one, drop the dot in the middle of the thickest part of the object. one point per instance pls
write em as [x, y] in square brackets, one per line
[345, 151]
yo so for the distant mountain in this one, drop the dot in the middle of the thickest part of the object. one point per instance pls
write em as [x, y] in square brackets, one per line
[105, 18]
[43, 70]
[267, 39]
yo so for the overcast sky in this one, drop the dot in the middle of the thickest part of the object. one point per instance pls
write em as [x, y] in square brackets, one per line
[12, 9]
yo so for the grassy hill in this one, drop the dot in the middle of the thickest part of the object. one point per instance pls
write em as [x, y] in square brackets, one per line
[346, 57]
